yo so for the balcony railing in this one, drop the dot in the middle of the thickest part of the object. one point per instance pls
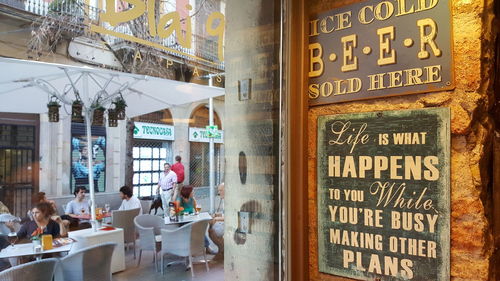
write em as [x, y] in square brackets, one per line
[77, 11]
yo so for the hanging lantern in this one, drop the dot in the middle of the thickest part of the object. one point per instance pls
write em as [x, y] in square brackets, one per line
[76, 112]
[112, 118]
[53, 107]
[120, 105]
[98, 117]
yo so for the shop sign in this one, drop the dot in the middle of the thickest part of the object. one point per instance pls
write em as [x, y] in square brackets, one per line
[203, 135]
[380, 48]
[153, 131]
[212, 131]
[384, 195]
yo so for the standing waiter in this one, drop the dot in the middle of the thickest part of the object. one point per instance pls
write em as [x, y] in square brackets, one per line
[178, 168]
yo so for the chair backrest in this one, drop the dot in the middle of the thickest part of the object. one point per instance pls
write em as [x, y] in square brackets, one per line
[145, 228]
[42, 270]
[155, 222]
[198, 231]
[88, 264]
[146, 205]
[125, 219]
[177, 241]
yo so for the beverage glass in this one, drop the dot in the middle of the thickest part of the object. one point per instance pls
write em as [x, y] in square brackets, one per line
[107, 207]
[12, 237]
[198, 209]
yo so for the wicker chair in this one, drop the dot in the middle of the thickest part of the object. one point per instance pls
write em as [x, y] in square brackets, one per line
[149, 228]
[42, 270]
[88, 264]
[125, 219]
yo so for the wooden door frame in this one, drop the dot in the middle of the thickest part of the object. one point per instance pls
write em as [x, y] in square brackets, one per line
[296, 70]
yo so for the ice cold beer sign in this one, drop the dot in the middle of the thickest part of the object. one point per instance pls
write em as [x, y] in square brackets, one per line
[383, 195]
[380, 48]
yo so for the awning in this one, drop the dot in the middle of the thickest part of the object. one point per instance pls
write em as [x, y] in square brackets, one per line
[25, 87]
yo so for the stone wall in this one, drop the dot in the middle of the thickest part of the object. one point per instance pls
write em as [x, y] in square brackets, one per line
[471, 139]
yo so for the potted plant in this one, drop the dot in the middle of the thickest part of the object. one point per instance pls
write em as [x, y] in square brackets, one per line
[98, 116]
[53, 107]
[76, 111]
[120, 105]
[112, 117]
[36, 239]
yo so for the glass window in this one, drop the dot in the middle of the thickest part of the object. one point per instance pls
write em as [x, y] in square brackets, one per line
[135, 152]
[149, 157]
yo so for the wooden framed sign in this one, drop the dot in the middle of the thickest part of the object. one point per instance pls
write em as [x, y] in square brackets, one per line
[384, 194]
[380, 48]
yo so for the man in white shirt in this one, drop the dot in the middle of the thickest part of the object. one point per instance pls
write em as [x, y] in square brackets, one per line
[129, 201]
[168, 180]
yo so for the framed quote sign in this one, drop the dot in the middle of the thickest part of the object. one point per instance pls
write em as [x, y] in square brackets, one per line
[384, 195]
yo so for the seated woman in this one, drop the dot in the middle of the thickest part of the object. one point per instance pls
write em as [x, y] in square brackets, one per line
[186, 199]
[41, 223]
[41, 197]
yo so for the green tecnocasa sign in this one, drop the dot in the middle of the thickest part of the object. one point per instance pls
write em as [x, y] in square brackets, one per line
[153, 131]
[384, 195]
[204, 135]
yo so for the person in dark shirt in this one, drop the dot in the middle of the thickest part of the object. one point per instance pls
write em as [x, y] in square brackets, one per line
[41, 223]
[178, 169]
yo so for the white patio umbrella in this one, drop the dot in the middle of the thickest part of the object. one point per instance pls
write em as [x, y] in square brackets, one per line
[26, 87]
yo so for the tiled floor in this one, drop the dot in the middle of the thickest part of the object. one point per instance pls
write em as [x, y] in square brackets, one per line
[146, 271]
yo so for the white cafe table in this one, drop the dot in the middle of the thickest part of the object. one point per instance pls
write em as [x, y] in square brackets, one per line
[189, 218]
[27, 249]
[87, 237]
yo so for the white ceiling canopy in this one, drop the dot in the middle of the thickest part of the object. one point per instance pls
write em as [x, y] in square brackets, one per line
[26, 87]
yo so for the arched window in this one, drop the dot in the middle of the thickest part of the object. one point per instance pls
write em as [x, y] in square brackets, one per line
[199, 149]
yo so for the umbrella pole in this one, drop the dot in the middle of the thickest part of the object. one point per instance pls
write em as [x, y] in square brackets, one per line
[88, 114]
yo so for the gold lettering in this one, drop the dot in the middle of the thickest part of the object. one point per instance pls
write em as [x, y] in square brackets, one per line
[217, 31]
[433, 73]
[344, 20]
[313, 27]
[313, 91]
[324, 27]
[137, 55]
[422, 5]
[428, 39]
[338, 87]
[114, 18]
[395, 79]
[326, 89]
[195, 71]
[413, 76]
[315, 60]
[386, 54]
[151, 18]
[389, 10]
[169, 63]
[350, 62]
[376, 82]
[362, 15]
[402, 8]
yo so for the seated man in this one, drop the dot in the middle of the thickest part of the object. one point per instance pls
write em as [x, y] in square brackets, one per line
[129, 201]
[216, 229]
[78, 210]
